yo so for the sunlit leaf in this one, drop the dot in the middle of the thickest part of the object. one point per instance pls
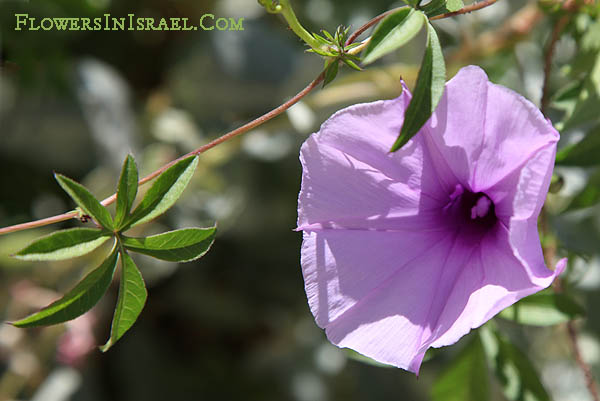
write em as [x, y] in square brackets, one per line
[393, 32]
[86, 201]
[586, 107]
[165, 191]
[127, 190]
[176, 246]
[64, 244]
[589, 195]
[545, 308]
[428, 91]
[131, 301]
[584, 153]
[79, 300]
[437, 7]
[517, 376]
[466, 378]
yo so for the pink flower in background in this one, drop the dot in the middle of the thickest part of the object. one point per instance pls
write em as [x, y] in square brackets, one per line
[410, 250]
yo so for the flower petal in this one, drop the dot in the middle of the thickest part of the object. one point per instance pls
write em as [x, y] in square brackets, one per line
[393, 320]
[492, 281]
[515, 131]
[350, 180]
[521, 194]
[455, 132]
[341, 267]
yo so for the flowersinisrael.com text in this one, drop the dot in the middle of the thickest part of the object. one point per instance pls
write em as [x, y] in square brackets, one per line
[207, 22]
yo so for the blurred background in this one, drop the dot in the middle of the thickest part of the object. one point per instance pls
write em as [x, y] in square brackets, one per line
[235, 324]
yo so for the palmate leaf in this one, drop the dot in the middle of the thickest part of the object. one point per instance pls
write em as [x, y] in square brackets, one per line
[79, 300]
[64, 244]
[466, 379]
[131, 301]
[165, 191]
[428, 90]
[546, 308]
[86, 201]
[516, 374]
[176, 246]
[126, 191]
[394, 32]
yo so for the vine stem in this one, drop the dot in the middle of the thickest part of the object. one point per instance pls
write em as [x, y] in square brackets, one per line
[252, 124]
[238, 131]
[556, 31]
[464, 10]
[587, 371]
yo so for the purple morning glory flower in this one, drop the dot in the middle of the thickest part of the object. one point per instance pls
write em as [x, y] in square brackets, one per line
[410, 250]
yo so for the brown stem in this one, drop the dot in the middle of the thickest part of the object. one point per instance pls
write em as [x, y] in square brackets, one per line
[244, 128]
[464, 10]
[468, 9]
[556, 31]
[587, 372]
[369, 24]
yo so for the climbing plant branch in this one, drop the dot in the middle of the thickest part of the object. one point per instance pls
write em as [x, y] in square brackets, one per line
[282, 7]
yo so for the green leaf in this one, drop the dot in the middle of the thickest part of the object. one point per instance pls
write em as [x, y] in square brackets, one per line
[437, 7]
[466, 379]
[394, 32]
[589, 195]
[545, 308]
[586, 107]
[64, 244]
[86, 201]
[516, 374]
[330, 72]
[131, 301]
[428, 90]
[127, 190]
[176, 246]
[79, 300]
[584, 153]
[165, 191]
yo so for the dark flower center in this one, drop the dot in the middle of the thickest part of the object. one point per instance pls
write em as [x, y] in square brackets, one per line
[471, 212]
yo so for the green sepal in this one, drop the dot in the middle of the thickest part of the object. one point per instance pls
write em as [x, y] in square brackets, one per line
[351, 64]
[64, 244]
[86, 201]
[131, 301]
[182, 245]
[331, 71]
[79, 300]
